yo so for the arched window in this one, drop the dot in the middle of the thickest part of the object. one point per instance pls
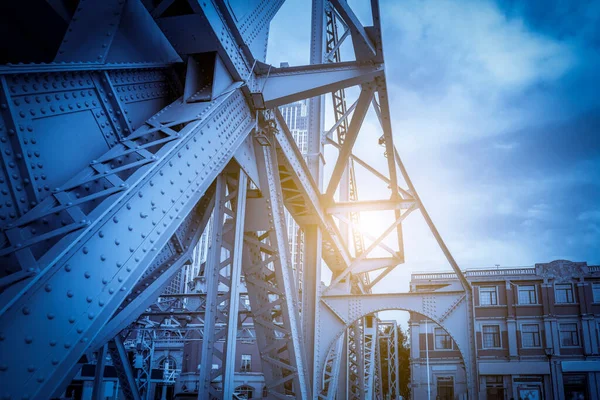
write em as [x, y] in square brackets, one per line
[168, 364]
[244, 392]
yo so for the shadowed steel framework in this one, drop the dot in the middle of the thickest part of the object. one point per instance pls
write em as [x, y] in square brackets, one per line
[128, 128]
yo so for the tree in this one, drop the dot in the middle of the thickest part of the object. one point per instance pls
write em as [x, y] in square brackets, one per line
[404, 362]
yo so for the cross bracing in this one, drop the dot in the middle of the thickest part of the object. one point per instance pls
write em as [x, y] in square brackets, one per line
[128, 128]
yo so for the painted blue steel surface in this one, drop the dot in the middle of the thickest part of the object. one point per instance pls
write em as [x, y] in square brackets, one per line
[93, 184]
[104, 166]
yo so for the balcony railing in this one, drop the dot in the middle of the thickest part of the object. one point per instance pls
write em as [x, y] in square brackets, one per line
[474, 273]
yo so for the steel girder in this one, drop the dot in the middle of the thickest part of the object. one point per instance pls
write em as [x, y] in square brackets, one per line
[137, 222]
[223, 278]
[355, 369]
[447, 309]
[271, 286]
[125, 374]
[176, 253]
[388, 334]
[370, 338]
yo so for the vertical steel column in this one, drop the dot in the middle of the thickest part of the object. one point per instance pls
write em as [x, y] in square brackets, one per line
[389, 334]
[271, 286]
[98, 392]
[311, 277]
[234, 294]
[145, 349]
[223, 273]
[370, 343]
[356, 368]
[118, 354]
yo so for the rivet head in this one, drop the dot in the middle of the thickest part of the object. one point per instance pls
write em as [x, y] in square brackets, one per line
[3, 367]
[31, 368]
[50, 316]
[67, 345]
[52, 343]
[69, 293]
[88, 299]
[28, 339]
[26, 310]
[68, 268]
[55, 362]
[48, 288]
[85, 250]
[87, 274]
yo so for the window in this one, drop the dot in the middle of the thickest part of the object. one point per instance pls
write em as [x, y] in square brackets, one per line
[530, 335]
[596, 291]
[168, 364]
[494, 385]
[527, 294]
[246, 363]
[488, 296]
[568, 335]
[244, 392]
[443, 341]
[491, 336]
[563, 293]
[445, 387]
[575, 386]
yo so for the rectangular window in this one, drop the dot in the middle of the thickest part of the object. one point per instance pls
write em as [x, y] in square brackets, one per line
[563, 293]
[445, 387]
[527, 294]
[530, 335]
[443, 341]
[596, 291]
[568, 335]
[491, 336]
[246, 363]
[488, 296]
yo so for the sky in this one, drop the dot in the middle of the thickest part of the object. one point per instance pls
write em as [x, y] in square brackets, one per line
[496, 115]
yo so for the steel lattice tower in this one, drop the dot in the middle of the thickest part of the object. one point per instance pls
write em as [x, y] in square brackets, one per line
[130, 127]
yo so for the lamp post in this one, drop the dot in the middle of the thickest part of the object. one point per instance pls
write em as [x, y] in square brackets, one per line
[549, 351]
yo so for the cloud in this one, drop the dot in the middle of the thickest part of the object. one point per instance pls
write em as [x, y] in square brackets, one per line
[457, 66]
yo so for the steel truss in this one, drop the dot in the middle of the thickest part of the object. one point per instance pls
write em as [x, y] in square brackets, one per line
[158, 131]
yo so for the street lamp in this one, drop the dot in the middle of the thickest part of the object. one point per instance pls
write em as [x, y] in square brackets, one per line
[549, 351]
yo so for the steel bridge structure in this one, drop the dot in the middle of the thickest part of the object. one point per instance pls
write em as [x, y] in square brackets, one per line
[127, 127]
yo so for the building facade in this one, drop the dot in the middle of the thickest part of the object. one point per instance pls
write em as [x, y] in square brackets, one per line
[537, 335]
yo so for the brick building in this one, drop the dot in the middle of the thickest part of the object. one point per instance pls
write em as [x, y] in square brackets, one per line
[537, 334]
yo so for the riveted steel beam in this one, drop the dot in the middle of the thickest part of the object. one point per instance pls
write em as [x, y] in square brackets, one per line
[364, 101]
[341, 207]
[135, 224]
[223, 273]
[285, 85]
[176, 253]
[272, 288]
[363, 46]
